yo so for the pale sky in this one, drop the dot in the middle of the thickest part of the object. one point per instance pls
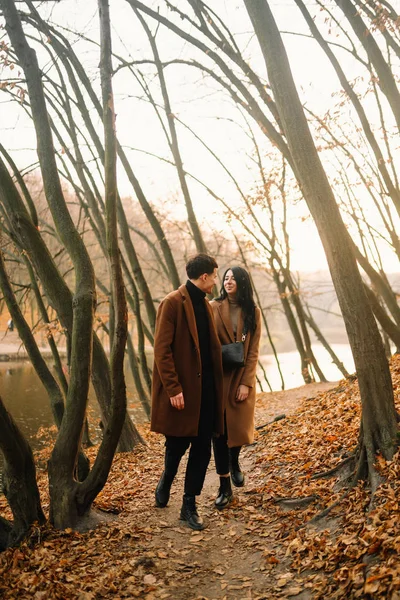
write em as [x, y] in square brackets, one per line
[199, 104]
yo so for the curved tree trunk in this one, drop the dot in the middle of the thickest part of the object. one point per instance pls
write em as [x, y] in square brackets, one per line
[378, 411]
[50, 339]
[380, 161]
[19, 482]
[388, 326]
[64, 457]
[66, 53]
[45, 375]
[173, 141]
[304, 361]
[59, 295]
[97, 478]
[386, 80]
[134, 364]
[294, 296]
[380, 285]
[39, 364]
[335, 359]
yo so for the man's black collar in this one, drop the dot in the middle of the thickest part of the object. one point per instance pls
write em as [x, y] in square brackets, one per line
[195, 293]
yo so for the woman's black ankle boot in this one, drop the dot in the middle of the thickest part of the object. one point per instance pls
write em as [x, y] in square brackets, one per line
[234, 467]
[225, 494]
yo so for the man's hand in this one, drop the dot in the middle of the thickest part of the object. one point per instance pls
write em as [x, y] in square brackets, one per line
[178, 402]
[242, 393]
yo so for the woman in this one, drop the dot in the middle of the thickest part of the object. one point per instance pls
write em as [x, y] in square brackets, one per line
[236, 316]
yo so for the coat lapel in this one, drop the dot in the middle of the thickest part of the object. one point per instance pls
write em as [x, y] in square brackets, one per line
[188, 307]
[213, 330]
[226, 319]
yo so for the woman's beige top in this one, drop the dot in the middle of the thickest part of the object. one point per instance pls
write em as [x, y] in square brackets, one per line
[234, 312]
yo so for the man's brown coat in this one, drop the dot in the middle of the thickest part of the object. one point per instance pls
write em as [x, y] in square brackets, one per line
[239, 415]
[177, 367]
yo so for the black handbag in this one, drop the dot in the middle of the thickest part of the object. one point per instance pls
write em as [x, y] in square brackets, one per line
[233, 354]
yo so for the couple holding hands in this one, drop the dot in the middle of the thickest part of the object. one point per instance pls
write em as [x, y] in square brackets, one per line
[196, 401]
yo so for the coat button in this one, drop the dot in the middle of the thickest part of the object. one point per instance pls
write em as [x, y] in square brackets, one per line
[198, 374]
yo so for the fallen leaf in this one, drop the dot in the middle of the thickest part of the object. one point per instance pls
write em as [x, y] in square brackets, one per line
[293, 591]
[196, 538]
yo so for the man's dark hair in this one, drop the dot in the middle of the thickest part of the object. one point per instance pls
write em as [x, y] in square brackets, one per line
[200, 264]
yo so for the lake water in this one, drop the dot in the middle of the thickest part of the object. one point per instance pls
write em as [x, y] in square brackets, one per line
[26, 399]
[290, 366]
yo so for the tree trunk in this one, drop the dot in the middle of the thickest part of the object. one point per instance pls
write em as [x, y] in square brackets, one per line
[380, 285]
[19, 482]
[335, 359]
[388, 326]
[304, 361]
[134, 303]
[134, 364]
[378, 411]
[380, 161]
[386, 80]
[98, 476]
[173, 141]
[50, 339]
[63, 461]
[59, 295]
[294, 296]
[66, 53]
[45, 375]
[264, 318]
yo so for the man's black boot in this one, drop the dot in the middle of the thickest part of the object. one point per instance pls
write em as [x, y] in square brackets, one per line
[237, 474]
[189, 513]
[225, 495]
[163, 490]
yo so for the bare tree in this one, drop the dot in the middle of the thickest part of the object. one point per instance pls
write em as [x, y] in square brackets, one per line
[378, 429]
[69, 500]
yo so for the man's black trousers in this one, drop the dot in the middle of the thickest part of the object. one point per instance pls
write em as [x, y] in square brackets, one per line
[200, 445]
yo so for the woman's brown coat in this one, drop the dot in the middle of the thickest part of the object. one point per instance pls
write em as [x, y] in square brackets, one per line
[177, 367]
[239, 415]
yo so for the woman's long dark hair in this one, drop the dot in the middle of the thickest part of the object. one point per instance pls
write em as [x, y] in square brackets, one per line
[244, 296]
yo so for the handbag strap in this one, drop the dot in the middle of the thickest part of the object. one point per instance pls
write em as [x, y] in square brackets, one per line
[244, 334]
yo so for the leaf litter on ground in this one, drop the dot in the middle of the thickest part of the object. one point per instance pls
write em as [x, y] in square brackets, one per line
[260, 547]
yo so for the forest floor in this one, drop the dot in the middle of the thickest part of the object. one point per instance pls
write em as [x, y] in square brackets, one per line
[260, 547]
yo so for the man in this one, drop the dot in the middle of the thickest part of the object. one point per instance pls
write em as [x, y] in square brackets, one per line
[187, 384]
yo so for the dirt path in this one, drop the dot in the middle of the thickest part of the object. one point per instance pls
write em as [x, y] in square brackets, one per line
[229, 559]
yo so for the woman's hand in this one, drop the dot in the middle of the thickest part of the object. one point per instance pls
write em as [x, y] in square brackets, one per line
[242, 393]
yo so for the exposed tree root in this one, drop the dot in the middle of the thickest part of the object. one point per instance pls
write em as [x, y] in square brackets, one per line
[361, 472]
[334, 470]
[5, 530]
[328, 509]
[364, 461]
[296, 502]
[277, 418]
[376, 481]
